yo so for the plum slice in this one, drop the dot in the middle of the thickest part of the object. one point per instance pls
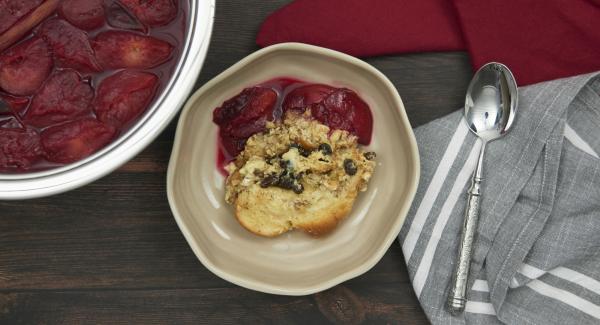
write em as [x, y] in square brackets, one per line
[13, 10]
[248, 105]
[84, 14]
[243, 116]
[338, 108]
[304, 96]
[63, 97]
[72, 141]
[19, 148]
[25, 23]
[70, 46]
[344, 110]
[124, 96]
[24, 67]
[119, 49]
[152, 12]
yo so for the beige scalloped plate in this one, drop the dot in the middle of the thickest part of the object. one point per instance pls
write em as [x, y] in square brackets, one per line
[293, 263]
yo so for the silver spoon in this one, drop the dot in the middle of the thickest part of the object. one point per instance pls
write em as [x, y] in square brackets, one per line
[490, 108]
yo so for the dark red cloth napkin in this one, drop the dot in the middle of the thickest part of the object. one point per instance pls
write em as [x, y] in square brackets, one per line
[538, 40]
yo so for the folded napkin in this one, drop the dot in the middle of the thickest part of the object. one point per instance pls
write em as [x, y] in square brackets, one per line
[538, 40]
[366, 28]
[537, 249]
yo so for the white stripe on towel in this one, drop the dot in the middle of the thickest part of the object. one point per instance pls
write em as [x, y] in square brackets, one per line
[530, 271]
[433, 190]
[565, 297]
[455, 193]
[481, 285]
[514, 283]
[577, 278]
[564, 273]
[562, 295]
[476, 307]
[578, 142]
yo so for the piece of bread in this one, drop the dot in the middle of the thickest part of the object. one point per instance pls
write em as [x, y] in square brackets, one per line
[297, 176]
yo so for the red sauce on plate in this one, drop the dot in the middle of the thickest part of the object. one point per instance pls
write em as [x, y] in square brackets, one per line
[80, 73]
[247, 113]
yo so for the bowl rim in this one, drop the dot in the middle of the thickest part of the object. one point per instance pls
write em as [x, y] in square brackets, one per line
[57, 180]
[343, 276]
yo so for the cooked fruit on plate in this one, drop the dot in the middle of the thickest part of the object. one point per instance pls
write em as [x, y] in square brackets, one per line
[292, 155]
[75, 74]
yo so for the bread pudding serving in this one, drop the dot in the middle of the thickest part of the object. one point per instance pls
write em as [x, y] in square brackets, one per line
[300, 166]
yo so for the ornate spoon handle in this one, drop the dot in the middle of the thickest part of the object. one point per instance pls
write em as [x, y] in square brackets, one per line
[458, 291]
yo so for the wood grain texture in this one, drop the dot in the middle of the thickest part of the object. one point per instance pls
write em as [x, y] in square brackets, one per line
[343, 304]
[111, 252]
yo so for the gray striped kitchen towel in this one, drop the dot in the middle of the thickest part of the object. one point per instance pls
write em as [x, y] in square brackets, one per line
[537, 249]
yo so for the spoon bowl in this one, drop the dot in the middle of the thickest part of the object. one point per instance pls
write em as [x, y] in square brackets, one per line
[491, 101]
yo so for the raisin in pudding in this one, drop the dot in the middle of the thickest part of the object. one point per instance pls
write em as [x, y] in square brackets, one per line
[75, 74]
[295, 160]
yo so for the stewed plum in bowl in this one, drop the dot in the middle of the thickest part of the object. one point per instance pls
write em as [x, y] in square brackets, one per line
[87, 84]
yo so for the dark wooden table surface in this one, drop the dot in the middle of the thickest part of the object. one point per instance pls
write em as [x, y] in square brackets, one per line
[110, 252]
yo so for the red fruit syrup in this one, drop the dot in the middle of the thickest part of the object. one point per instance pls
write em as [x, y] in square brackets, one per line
[247, 113]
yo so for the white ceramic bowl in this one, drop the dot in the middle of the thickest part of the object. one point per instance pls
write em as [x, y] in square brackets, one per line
[293, 263]
[157, 117]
